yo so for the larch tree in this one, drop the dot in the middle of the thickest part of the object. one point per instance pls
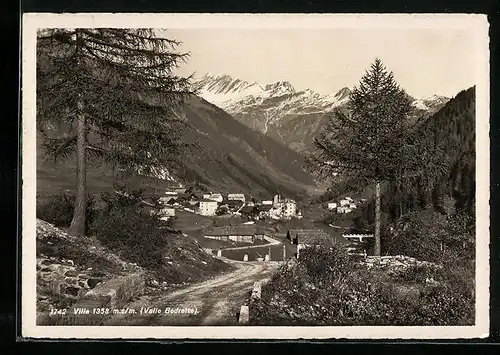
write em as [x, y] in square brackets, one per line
[116, 92]
[373, 139]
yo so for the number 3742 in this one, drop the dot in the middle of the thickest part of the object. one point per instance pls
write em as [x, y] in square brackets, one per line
[57, 311]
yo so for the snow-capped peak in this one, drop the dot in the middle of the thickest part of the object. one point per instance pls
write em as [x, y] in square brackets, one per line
[430, 103]
[278, 99]
[223, 90]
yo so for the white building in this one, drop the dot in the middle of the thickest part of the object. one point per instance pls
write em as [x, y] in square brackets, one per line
[344, 202]
[286, 209]
[289, 209]
[236, 197]
[267, 202]
[332, 205]
[167, 213]
[357, 237]
[208, 207]
[343, 209]
[213, 197]
[170, 193]
[352, 206]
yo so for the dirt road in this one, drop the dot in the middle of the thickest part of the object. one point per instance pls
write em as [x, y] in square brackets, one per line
[212, 302]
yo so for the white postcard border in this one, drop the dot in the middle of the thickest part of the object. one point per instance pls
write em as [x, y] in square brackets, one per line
[32, 21]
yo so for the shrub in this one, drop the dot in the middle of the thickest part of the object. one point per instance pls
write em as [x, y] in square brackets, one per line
[324, 287]
[132, 230]
[427, 235]
[58, 209]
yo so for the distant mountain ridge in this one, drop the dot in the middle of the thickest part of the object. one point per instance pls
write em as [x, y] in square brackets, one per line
[229, 158]
[282, 112]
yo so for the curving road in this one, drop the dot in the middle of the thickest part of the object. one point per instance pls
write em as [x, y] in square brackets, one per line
[216, 301]
[271, 241]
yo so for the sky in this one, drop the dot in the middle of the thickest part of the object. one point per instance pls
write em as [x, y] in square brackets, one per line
[424, 61]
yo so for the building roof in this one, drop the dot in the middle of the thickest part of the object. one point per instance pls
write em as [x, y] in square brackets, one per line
[207, 200]
[235, 230]
[309, 235]
[266, 208]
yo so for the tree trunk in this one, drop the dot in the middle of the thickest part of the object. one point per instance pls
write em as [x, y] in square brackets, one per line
[77, 227]
[376, 249]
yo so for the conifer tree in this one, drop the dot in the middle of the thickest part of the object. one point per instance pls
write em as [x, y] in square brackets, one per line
[116, 93]
[373, 139]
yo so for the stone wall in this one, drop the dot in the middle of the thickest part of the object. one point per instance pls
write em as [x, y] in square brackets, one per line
[73, 270]
[395, 262]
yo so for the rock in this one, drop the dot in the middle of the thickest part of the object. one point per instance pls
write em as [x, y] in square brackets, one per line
[256, 291]
[71, 273]
[244, 315]
[71, 281]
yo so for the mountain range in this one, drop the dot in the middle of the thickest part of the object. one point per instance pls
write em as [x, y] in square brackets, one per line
[228, 157]
[278, 110]
[250, 138]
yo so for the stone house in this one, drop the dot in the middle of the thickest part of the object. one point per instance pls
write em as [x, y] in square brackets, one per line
[240, 233]
[289, 208]
[167, 212]
[344, 202]
[332, 205]
[343, 209]
[208, 207]
[267, 202]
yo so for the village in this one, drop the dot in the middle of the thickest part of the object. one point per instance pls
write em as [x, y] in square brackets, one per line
[238, 224]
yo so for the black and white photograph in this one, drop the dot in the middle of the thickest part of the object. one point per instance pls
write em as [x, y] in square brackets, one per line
[255, 176]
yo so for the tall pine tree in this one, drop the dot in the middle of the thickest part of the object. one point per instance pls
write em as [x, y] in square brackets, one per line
[117, 92]
[373, 139]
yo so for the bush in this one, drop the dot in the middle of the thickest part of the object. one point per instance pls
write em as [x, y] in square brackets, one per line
[132, 230]
[326, 288]
[58, 209]
[427, 235]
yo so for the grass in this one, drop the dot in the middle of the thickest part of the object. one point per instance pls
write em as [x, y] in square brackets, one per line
[191, 223]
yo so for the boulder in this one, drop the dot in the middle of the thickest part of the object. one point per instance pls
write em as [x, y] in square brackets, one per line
[244, 315]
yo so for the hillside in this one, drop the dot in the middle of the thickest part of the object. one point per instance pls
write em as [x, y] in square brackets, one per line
[280, 111]
[232, 157]
[452, 130]
[228, 157]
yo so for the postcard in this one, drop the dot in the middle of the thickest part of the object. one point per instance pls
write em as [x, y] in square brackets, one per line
[255, 176]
